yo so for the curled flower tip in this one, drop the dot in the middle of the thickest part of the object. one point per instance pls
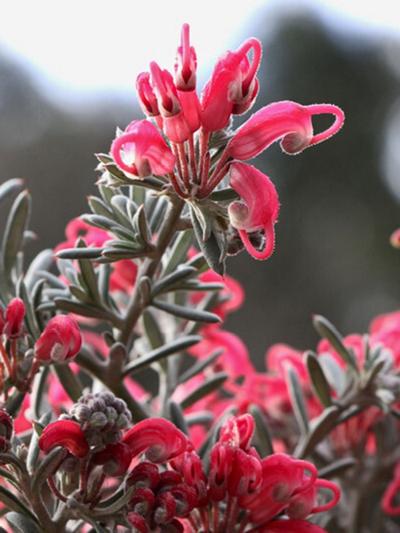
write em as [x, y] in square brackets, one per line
[303, 503]
[247, 90]
[141, 150]
[67, 434]
[286, 121]
[257, 210]
[395, 239]
[158, 437]
[238, 431]
[388, 503]
[60, 341]
[186, 63]
[147, 98]
[14, 318]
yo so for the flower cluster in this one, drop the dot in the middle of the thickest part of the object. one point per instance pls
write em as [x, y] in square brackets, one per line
[188, 139]
[169, 487]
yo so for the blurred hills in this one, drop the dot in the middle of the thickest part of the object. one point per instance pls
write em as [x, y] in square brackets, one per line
[332, 256]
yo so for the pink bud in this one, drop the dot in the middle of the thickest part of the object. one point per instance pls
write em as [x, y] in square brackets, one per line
[257, 209]
[288, 121]
[142, 151]
[147, 98]
[144, 474]
[232, 87]
[67, 434]
[159, 437]
[175, 126]
[186, 63]
[14, 318]
[238, 431]
[61, 340]
[395, 238]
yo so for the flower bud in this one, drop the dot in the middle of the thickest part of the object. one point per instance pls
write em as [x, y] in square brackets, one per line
[142, 151]
[60, 341]
[14, 318]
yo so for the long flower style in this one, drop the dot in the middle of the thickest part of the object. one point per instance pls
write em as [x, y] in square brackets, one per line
[191, 143]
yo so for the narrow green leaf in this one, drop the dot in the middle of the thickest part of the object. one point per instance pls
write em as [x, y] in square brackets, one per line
[46, 468]
[329, 332]
[321, 427]
[71, 306]
[33, 450]
[337, 468]
[38, 389]
[210, 385]
[161, 353]
[40, 263]
[177, 416]
[152, 329]
[88, 275]
[178, 252]
[14, 503]
[180, 274]
[199, 366]
[22, 523]
[319, 382]
[69, 381]
[224, 195]
[10, 187]
[186, 312]
[99, 207]
[297, 399]
[30, 317]
[14, 403]
[210, 248]
[264, 439]
[17, 223]
[140, 224]
[79, 253]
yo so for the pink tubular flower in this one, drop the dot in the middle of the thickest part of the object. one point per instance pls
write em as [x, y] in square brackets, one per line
[147, 98]
[159, 437]
[61, 340]
[115, 459]
[142, 151]
[288, 121]
[185, 80]
[175, 126]
[67, 434]
[257, 209]
[232, 88]
[14, 318]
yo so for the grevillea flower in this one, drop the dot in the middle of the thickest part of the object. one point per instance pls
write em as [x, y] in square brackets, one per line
[142, 151]
[66, 434]
[232, 87]
[61, 340]
[291, 526]
[158, 437]
[257, 209]
[14, 318]
[6, 430]
[115, 459]
[286, 121]
[395, 238]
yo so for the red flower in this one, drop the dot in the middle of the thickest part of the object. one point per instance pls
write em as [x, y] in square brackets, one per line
[61, 340]
[142, 151]
[388, 500]
[257, 209]
[14, 318]
[67, 434]
[288, 121]
[115, 458]
[291, 526]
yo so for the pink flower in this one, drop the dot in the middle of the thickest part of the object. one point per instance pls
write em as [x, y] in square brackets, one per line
[14, 318]
[142, 151]
[61, 340]
[291, 526]
[232, 88]
[115, 459]
[185, 80]
[159, 437]
[288, 121]
[147, 98]
[395, 238]
[66, 434]
[257, 209]
[385, 331]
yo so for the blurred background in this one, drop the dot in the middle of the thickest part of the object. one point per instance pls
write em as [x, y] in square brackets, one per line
[67, 73]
